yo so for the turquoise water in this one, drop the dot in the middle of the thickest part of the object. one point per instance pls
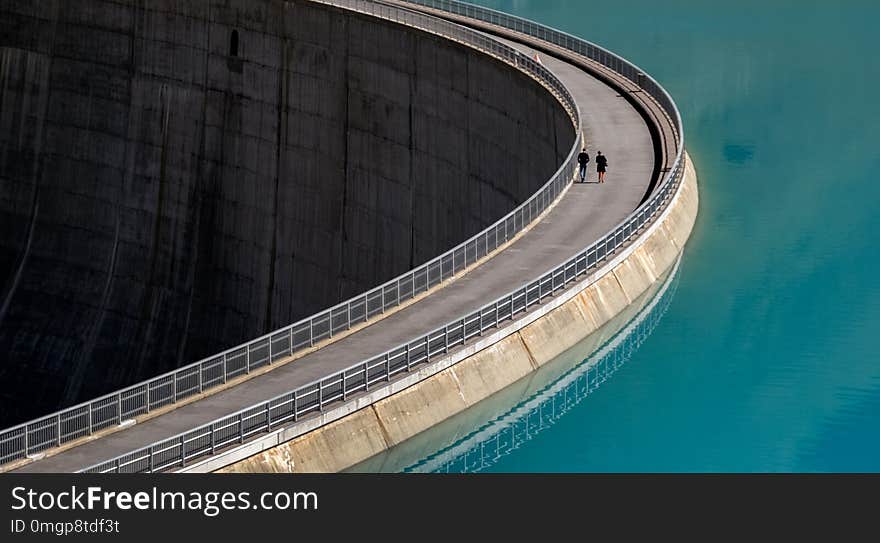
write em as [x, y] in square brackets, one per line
[766, 358]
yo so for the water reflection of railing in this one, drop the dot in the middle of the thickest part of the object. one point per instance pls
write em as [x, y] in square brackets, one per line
[505, 434]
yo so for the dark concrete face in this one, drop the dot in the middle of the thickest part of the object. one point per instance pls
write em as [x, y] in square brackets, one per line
[169, 189]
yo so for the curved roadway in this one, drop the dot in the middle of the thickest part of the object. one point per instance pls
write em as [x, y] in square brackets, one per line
[583, 214]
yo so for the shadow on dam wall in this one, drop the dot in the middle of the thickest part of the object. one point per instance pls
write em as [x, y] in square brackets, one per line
[179, 177]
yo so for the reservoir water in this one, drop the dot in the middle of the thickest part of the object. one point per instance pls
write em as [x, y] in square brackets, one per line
[765, 358]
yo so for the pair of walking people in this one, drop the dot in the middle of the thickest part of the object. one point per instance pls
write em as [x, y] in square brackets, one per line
[601, 165]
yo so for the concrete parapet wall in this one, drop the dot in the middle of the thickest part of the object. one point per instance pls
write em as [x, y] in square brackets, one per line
[586, 318]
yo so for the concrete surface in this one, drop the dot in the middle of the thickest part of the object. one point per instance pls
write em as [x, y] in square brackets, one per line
[162, 199]
[585, 213]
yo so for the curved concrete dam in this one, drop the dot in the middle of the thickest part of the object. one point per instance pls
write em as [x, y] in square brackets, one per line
[568, 263]
[177, 178]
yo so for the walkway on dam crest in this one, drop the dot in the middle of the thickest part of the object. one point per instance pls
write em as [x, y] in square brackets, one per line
[584, 214]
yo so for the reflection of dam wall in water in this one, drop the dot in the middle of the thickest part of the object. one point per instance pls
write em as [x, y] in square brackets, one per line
[507, 433]
[477, 437]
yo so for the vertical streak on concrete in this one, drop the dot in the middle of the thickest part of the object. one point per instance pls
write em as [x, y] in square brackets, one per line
[280, 140]
[532, 360]
[35, 210]
[413, 77]
[343, 237]
[620, 284]
[467, 130]
[36, 171]
[149, 298]
[386, 437]
[198, 200]
[83, 362]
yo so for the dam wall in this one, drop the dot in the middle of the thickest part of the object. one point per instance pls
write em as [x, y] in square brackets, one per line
[584, 315]
[179, 177]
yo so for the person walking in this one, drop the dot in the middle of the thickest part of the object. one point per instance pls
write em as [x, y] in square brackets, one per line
[601, 165]
[583, 158]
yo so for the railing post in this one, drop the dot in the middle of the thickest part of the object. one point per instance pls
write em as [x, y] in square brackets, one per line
[200, 375]
[182, 451]
[269, 416]
[152, 464]
[224, 368]
[463, 330]
[247, 359]
[446, 339]
[344, 391]
[321, 396]
[366, 377]
[213, 439]
[58, 430]
[311, 332]
[174, 387]
[91, 423]
[241, 427]
[387, 367]
[406, 353]
[119, 407]
[26, 445]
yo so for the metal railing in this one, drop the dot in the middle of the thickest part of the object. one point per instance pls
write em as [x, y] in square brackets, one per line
[339, 387]
[111, 410]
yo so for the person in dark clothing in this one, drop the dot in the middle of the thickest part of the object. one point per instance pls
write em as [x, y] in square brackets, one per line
[583, 158]
[601, 164]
